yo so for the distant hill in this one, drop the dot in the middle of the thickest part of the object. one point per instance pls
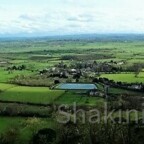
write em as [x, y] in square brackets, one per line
[85, 37]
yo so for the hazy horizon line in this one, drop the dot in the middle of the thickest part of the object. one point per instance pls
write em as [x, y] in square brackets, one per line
[66, 35]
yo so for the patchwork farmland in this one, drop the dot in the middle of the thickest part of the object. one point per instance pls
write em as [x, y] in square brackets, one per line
[92, 71]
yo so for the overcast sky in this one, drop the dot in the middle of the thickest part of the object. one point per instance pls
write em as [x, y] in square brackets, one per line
[55, 17]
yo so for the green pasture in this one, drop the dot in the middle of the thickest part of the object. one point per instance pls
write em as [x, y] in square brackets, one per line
[125, 77]
[6, 76]
[43, 95]
[30, 94]
[70, 98]
[4, 87]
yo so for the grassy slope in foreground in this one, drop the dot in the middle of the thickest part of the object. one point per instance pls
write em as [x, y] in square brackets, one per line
[25, 127]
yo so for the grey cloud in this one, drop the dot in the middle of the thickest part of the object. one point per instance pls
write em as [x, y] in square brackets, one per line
[89, 16]
[28, 17]
[81, 18]
[73, 26]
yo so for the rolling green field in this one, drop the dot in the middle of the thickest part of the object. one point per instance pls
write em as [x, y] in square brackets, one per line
[125, 77]
[42, 54]
[41, 95]
[5, 76]
[29, 94]
[70, 98]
